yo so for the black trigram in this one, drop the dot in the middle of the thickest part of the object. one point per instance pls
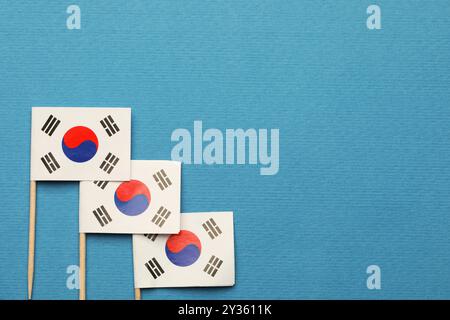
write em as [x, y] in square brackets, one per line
[109, 125]
[213, 266]
[102, 216]
[212, 228]
[161, 216]
[154, 268]
[50, 125]
[101, 184]
[109, 163]
[162, 179]
[50, 162]
[151, 236]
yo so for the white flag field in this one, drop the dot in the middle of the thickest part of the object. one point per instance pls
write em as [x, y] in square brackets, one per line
[200, 255]
[148, 203]
[80, 143]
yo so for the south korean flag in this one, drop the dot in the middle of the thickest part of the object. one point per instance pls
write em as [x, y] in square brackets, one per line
[200, 255]
[80, 143]
[148, 203]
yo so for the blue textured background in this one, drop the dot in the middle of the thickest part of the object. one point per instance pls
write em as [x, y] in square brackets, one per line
[364, 122]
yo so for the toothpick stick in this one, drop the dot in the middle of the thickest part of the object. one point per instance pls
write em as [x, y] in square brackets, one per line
[82, 266]
[31, 237]
[137, 294]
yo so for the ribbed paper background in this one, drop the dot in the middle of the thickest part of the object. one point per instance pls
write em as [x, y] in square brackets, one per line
[364, 121]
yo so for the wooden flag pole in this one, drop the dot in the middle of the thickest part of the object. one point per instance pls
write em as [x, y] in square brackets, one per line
[31, 237]
[137, 294]
[82, 266]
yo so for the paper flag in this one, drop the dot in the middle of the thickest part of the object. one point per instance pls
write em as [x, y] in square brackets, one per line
[148, 203]
[201, 255]
[80, 143]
